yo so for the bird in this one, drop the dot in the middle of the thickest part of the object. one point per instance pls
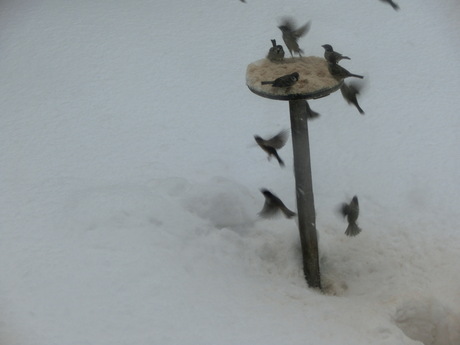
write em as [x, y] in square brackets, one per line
[349, 93]
[285, 81]
[273, 205]
[311, 114]
[276, 53]
[351, 211]
[271, 145]
[339, 72]
[291, 35]
[332, 56]
[392, 3]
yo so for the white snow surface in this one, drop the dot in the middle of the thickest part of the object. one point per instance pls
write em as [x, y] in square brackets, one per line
[129, 184]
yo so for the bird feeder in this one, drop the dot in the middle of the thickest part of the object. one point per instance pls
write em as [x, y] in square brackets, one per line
[315, 81]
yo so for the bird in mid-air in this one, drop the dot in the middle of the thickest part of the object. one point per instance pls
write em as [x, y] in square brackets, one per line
[349, 93]
[271, 145]
[291, 35]
[274, 205]
[285, 81]
[332, 56]
[351, 211]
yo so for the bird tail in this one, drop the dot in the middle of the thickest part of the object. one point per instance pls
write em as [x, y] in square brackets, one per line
[287, 212]
[266, 82]
[346, 58]
[352, 230]
[356, 76]
[361, 111]
[278, 158]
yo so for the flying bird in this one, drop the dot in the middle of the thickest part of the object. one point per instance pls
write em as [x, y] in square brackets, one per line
[351, 211]
[339, 72]
[273, 205]
[332, 56]
[349, 93]
[271, 145]
[276, 53]
[291, 35]
[285, 81]
[392, 3]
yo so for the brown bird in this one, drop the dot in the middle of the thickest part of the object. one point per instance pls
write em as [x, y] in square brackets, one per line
[392, 3]
[271, 145]
[285, 81]
[339, 72]
[291, 35]
[332, 56]
[273, 205]
[351, 211]
[276, 53]
[349, 93]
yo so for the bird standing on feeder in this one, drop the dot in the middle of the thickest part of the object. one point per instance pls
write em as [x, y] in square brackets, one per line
[338, 72]
[349, 93]
[291, 35]
[351, 211]
[276, 53]
[332, 56]
[271, 145]
[273, 205]
[285, 81]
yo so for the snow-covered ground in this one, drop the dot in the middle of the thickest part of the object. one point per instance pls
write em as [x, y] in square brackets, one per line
[129, 184]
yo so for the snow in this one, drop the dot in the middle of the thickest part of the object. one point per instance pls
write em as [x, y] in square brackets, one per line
[129, 186]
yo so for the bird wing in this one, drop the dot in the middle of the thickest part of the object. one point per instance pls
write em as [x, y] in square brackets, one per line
[302, 30]
[279, 140]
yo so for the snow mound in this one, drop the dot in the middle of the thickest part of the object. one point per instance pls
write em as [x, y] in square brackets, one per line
[428, 321]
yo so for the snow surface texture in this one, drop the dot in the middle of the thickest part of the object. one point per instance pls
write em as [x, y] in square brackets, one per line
[130, 180]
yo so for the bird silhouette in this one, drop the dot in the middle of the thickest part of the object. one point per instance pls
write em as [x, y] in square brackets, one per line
[273, 205]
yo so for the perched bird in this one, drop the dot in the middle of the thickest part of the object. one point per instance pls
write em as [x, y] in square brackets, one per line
[349, 93]
[276, 53]
[291, 35]
[332, 56]
[339, 72]
[273, 205]
[351, 211]
[285, 81]
[392, 3]
[271, 145]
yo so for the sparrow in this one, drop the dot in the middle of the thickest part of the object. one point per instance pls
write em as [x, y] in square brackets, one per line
[349, 93]
[332, 56]
[276, 53]
[285, 81]
[273, 205]
[291, 35]
[351, 211]
[271, 145]
[339, 72]
[392, 3]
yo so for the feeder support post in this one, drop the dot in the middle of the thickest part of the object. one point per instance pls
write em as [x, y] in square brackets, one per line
[300, 112]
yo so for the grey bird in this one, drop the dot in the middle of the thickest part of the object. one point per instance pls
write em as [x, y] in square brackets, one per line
[339, 72]
[351, 211]
[276, 53]
[392, 3]
[285, 81]
[349, 93]
[271, 145]
[311, 114]
[273, 205]
[332, 56]
[291, 35]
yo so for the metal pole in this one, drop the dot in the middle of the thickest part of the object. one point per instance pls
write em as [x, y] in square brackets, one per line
[299, 112]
